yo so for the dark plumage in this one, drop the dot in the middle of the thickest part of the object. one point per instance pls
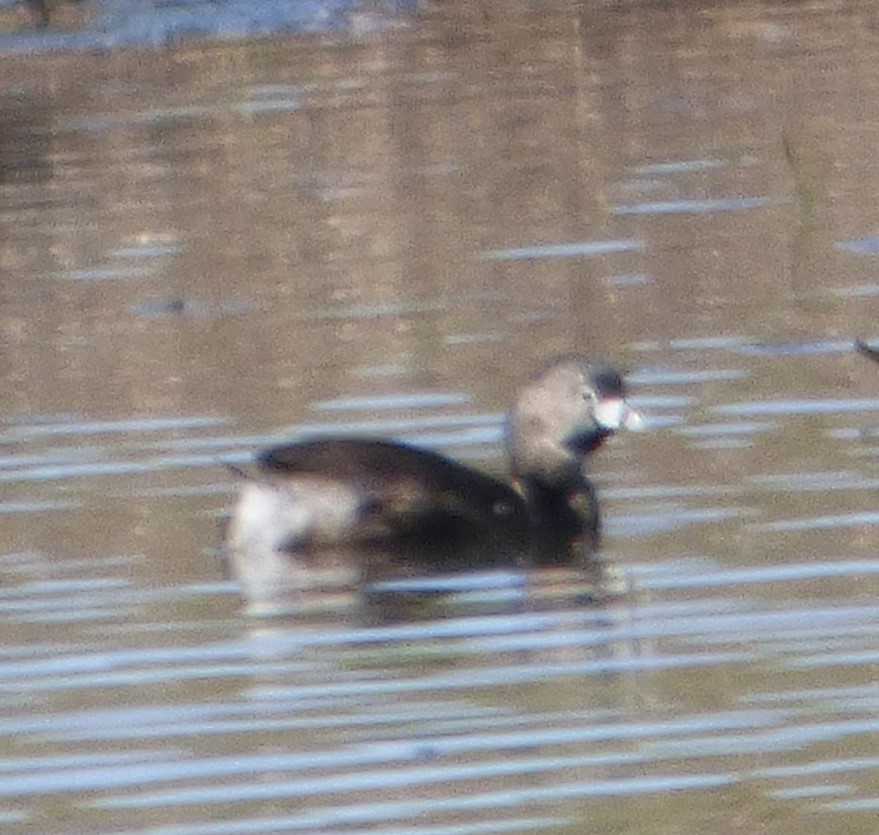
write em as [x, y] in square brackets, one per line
[368, 509]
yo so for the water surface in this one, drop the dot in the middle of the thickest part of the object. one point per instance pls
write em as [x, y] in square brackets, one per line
[214, 244]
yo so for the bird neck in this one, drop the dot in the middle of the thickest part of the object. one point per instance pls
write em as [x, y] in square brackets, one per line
[586, 441]
[565, 518]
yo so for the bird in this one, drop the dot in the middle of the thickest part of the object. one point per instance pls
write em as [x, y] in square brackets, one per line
[334, 511]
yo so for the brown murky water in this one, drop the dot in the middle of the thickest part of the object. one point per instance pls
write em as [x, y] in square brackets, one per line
[210, 246]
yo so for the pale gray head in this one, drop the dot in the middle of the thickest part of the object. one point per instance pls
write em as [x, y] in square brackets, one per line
[561, 415]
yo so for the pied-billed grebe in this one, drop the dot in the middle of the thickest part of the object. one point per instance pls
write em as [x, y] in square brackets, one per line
[407, 511]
